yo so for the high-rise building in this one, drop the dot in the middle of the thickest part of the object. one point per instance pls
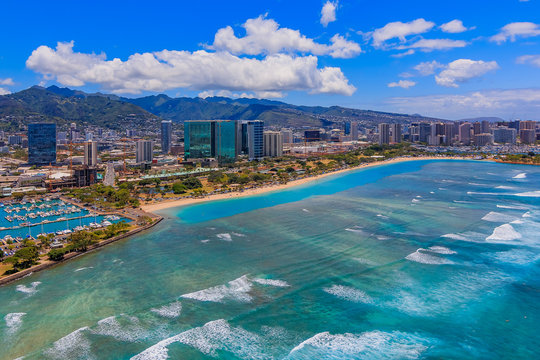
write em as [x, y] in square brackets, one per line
[486, 127]
[288, 137]
[166, 136]
[449, 133]
[252, 139]
[90, 153]
[384, 133]
[527, 125]
[477, 128]
[73, 132]
[273, 143]
[504, 135]
[144, 151]
[436, 134]
[42, 143]
[211, 139]
[483, 139]
[465, 133]
[527, 136]
[347, 128]
[354, 130]
[424, 130]
[397, 137]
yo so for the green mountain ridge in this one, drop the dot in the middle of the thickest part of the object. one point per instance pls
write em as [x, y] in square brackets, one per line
[65, 105]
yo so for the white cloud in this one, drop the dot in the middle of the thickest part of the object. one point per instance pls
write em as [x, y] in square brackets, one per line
[400, 30]
[7, 81]
[328, 13]
[529, 59]
[4, 91]
[503, 103]
[264, 36]
[454, 27]
[462, 70]
[406, 75]
[403, 54]
[226, 93]
[428, 67]
[405, 84]
[514, 30]
[427, 45]
[199, 70]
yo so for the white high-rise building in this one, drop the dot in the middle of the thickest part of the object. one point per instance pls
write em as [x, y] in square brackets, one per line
[397, 137]
[144, 151]
[273, 143]
[90, 153]
[288, 137]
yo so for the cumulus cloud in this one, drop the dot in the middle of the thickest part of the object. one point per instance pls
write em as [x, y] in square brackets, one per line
[226, 93]
[454, 27]
[427, 45]
[428, 67]
[503, 103]
[529, 59]
[4, 91]
[462, 70]
[198, 70]
[515, 30]
[405, 84]
[264, 36]
[328, 13]
[400, 30]
[7, 81]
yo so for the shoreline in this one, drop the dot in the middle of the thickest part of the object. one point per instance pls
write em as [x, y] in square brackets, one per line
[154, 207]
[50, 263]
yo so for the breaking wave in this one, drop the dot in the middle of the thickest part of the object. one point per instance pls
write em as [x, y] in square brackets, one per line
[235, 290]
[171, 311]
[504, 232]
[349, 293]
[32, 289]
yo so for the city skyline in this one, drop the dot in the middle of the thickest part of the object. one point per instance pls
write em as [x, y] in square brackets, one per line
[452, 62]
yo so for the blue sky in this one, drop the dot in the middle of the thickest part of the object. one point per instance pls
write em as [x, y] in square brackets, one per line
[445, 59]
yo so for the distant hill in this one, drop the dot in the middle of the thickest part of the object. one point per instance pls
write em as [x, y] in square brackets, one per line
[65, 105]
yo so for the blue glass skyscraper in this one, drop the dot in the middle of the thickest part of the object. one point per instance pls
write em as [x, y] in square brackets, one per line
[41, 144]
[166, 136]
[211, 139]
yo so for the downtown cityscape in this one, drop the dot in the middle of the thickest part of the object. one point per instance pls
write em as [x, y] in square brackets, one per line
[241, 182]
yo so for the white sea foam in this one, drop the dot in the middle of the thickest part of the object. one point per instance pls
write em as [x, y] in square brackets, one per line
[13, 322]
[349, 293]
[463, 202]
[235, 290]
[214, 336]
[238, 234]
[454, 237]
[368, 345]
[205, 241]
[505, 187]
[83, 268]
[32, 289]
[271, 282]
[382, 216]
[305, 210]
[415, 200]
[224, 237]
[520, 176]
[469, 236]
[432, 192]
[171, 311]
[420, 256]
[355, 229]
[498, 217]
[512, 207]
[382, 237]
[122, 328]
[482, 193]
[72, 346]
[441, 250]
[504, 232]
[529, 194]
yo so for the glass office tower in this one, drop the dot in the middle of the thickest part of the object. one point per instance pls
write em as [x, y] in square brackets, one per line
[41, 144]
[166, 136]
[211, 139]
[197, 139]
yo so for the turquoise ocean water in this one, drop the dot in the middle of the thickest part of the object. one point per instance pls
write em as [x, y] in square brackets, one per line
[420, 259]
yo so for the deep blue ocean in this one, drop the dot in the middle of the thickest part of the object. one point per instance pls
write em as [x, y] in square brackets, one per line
[414, 260]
